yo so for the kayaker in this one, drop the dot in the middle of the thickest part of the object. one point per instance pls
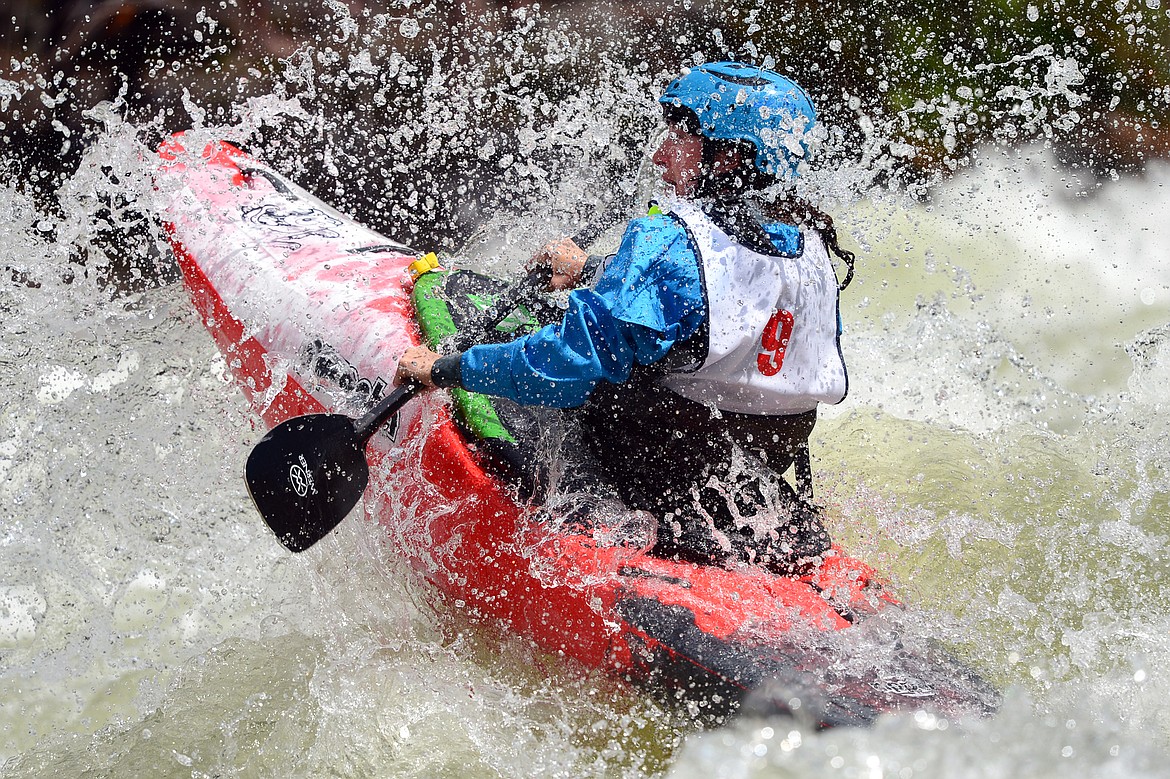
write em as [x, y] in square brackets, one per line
[702, 348]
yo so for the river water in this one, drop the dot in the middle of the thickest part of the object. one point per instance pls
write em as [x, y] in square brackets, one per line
[1002, 458]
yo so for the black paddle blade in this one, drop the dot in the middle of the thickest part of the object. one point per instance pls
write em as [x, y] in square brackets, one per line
[306, 475]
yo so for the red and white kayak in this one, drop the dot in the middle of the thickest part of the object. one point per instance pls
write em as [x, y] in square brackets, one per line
[312, 311]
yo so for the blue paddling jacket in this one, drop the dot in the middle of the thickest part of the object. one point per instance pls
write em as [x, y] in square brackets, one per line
[648, 298]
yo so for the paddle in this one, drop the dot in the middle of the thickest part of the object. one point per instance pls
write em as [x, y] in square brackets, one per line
[307, 473]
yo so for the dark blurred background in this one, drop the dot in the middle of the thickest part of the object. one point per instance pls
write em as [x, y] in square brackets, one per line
[421, 118]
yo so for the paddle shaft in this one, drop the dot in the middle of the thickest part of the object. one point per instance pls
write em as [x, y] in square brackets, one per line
[616, 210]
[387, 407]
[498, 311]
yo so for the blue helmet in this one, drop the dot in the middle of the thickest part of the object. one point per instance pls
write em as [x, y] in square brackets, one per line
[735, 102]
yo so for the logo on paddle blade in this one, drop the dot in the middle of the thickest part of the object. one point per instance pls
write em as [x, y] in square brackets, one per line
[300, 478]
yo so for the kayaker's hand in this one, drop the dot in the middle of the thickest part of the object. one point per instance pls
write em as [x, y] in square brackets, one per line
[416, 363]
[565, 258]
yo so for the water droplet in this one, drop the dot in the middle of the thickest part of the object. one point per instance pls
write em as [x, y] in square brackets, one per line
[409, 28]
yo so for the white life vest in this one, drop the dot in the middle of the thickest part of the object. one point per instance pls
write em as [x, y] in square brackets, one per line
[774, 343]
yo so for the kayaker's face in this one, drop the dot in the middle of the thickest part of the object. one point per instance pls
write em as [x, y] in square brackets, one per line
[681, 157]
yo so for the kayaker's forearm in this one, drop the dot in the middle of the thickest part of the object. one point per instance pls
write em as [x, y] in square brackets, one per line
[542, 371]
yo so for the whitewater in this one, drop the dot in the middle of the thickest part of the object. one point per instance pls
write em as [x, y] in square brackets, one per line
[1002, 458]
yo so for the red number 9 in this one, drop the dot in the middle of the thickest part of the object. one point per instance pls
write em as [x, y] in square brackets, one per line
[775, 341]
